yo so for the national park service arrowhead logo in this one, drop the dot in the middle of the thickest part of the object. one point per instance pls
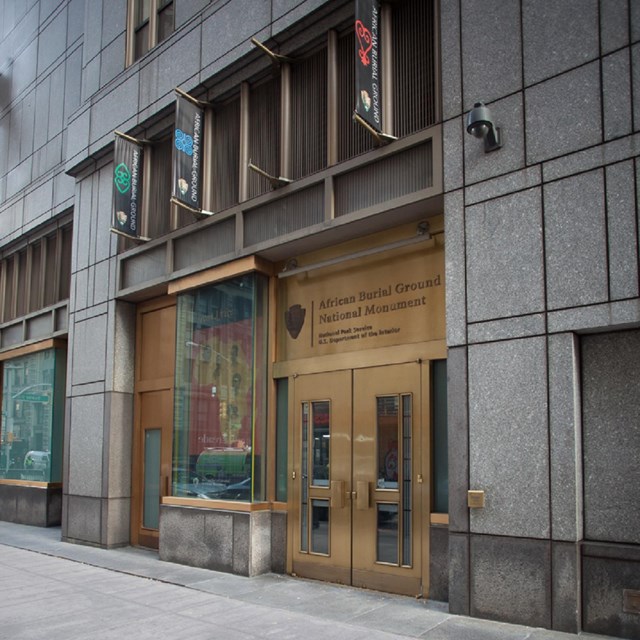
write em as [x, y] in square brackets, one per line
[294, 319]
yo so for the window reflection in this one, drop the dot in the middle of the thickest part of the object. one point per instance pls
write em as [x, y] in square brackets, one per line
[33, 389]
[220, 391]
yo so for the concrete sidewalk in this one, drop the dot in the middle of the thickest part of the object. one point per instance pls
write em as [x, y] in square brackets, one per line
[59, 591]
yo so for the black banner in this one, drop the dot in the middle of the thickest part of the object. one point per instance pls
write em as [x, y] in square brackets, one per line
[368, 63]
[186, 173]
[127, 187]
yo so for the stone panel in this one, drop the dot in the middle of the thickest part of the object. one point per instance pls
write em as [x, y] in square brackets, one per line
[52, 41]
[114, 21]
[616, 92]
[490, 41]
[219, 537]
[459, 574]
[568, 101]
[635, 68]
[503, 185]
[439, 563]
[558, 36]
[451, 71]
[622, 231]
[89, 349]
[85, 445]
[116, 522]
[504, 257]
[452, 154]
[187, 9]
[575, 236]
[604, 580]
[598, 316]
[241, 544]
[187, 538]
[56, 101]
[565, 438]
[119, 418]
[232, 24]
[611, 428]
[508, 116]
[507, 328]
[279, 542]
[114, 109]
[112, 60]
[458, 439]
[511, 580]
[508, 422]
[260, 543]
[456, 301]
[614, 24]
[83, 519]
[565, 590]
[172, 68]
[75, 23]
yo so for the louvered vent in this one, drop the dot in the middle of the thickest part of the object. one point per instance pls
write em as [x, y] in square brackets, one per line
[285, 215]
[226, 155]
[210, 242]
[309, 115]
[414, 67]
[264, 134]
[393, 177]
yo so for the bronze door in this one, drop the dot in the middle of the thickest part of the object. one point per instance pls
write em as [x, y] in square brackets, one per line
[359, 500]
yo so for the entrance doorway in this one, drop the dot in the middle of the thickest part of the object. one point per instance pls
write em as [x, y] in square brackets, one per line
[360, 503]
[153, 417]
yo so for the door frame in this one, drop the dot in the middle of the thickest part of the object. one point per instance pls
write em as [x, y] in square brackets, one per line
[138, 534]
[421, 353]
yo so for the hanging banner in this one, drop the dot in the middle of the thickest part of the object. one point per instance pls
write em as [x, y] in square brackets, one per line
[186, 171]
[127, 187]
[368, 63]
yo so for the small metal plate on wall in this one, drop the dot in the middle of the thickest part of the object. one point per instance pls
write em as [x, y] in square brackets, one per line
[475, 499]
[631, 601]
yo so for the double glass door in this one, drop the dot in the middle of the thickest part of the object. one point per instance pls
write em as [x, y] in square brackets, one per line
[358, 490]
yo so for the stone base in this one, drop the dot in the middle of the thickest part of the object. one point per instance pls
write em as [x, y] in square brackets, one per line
[233, 542]
[608, 571]
[518, 580]
[37, 506]
[439, 563]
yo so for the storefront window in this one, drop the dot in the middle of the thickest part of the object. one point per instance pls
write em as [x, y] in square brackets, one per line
[33, 389]
[220, 391]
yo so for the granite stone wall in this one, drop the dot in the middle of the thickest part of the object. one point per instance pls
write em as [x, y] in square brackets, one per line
[541, 246]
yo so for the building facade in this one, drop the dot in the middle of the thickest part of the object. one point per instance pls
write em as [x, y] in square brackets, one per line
[377, 350]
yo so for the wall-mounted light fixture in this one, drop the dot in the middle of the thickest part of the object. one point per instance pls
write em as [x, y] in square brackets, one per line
[480, 125]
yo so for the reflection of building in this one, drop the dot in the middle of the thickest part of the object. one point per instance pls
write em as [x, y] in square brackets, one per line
[364, 400]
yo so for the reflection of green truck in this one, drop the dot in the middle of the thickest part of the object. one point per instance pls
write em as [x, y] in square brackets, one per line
[229, 465]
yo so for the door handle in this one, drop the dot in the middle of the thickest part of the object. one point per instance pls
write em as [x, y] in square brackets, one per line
[362, 495]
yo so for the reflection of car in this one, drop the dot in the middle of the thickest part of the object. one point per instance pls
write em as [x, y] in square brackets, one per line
[37, 460]
[238, 491]
[195, 486]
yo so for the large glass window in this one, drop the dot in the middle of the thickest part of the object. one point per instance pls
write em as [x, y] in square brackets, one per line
[220, 391]
[32, 416]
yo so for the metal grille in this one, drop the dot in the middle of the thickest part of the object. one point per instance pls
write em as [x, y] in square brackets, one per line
[209, 242]
[309, 115]
[414, 99]
[393, 177]
[297, 211]
[264, 134]
[158, 208]
[226, 155]
[352, 138]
